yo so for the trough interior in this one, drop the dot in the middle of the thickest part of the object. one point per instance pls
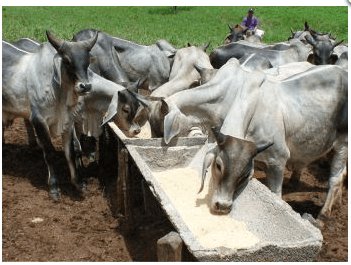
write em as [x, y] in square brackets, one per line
[258, 217]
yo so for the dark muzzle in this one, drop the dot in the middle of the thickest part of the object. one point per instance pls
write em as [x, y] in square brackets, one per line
[84, 88]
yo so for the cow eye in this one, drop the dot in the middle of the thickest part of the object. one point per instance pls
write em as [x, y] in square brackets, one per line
[66, 60]
[218, 166]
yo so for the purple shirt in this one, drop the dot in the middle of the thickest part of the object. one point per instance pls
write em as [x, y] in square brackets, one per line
[250, 23]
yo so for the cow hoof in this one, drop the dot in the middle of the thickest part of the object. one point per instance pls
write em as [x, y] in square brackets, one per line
[55, 195]
[317, 223]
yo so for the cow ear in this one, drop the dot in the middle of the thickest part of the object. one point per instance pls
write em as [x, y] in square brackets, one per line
[333, 58]
[307, 27]
[209, 157]
[171, 125]
[55, 42]
[164, 108]
[310, 58]
[57, 68]
[337, 43]
[310, 40]
[112, 109]
[189, 45]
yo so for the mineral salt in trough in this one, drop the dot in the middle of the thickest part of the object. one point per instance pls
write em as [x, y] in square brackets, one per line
[260, 227]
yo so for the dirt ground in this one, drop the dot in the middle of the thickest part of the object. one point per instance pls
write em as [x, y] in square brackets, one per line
[34, 228]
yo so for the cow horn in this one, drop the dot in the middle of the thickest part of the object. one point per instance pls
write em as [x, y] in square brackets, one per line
[292, 32]
[210, 155]
[307, 27]
[55, 42]
[230, 28]
[89, 44]
[204, 48]
[199, 69]
[261, 148]
[337, 43]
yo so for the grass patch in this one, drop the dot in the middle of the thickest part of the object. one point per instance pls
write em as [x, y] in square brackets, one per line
[145, 25]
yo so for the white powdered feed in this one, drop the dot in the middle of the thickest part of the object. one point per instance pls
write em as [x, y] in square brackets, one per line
[181, 186]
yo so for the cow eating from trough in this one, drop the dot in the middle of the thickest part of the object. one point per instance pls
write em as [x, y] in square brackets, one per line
[43, 87]
[290, 123]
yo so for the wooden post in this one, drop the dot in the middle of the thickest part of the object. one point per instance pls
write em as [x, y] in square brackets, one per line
[169, 247]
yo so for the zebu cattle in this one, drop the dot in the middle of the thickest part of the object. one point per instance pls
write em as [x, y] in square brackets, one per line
[133, 60]
[322, 50]
[296, 52]
[106, 102]
[43, 87]
[207, 105]
[236, 33]
[184, 75]
[288, 123]
[307, 31]
[106, 62]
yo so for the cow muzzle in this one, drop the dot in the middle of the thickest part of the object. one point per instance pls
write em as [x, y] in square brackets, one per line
[83, 88]
[221, 206]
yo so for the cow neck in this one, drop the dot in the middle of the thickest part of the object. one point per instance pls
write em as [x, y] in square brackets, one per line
[171, 87]
[243, 107]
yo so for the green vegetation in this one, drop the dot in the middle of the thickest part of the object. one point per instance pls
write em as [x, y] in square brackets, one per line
[145, 25]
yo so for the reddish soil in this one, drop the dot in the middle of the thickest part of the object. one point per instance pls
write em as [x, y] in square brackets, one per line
[84, 229]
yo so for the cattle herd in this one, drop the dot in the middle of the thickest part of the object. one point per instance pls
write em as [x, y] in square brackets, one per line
[283, 104]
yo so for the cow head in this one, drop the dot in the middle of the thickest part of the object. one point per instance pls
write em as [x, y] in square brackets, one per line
[232, 168]
[322, 50]
[71, 62]
[125, 110]
[236, 33]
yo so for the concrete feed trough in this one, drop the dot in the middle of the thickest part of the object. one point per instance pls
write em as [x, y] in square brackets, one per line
[260, 227]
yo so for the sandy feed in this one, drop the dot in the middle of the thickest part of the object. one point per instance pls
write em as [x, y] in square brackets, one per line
[181, 186]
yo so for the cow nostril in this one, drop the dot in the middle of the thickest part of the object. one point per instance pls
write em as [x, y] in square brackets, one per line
[217, 205]
[136, 131]
[88, 86]
[85, 87]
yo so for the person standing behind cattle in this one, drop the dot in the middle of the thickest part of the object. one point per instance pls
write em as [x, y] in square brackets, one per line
[250, 22]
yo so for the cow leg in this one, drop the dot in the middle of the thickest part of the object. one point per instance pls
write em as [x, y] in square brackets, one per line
[337, 174]
[275, 175]
[30, 133]
[72, 151]
[295, 177]
[49, 152]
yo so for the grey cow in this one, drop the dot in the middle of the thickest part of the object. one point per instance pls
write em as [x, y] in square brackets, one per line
[322, 50]
[295, 52]
[290, 123]
[43, 87]
[207, 105]
[122, 61]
